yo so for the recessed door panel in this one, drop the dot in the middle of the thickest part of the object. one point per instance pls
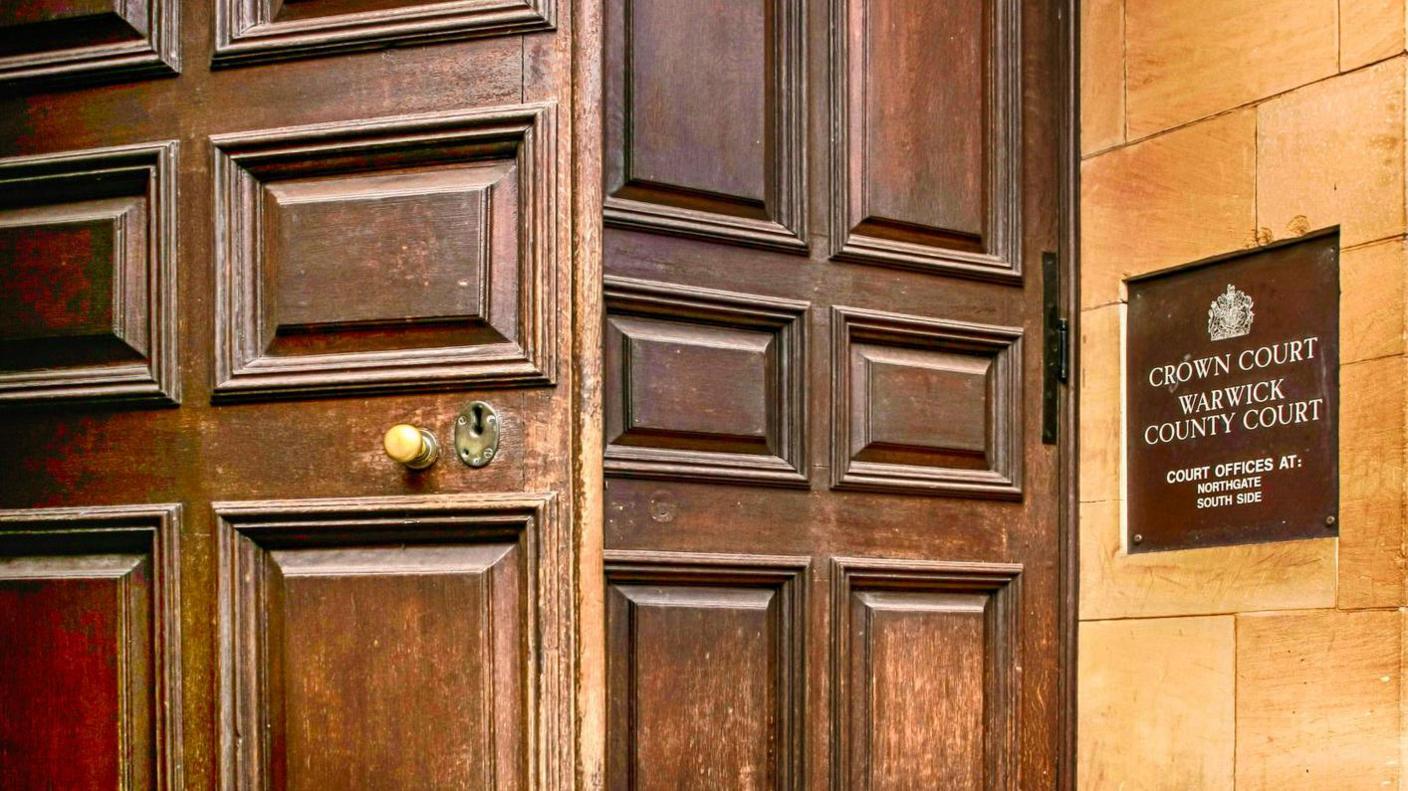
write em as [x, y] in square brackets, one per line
[50, 42]
[253, 31]
[926, 674]
[384, 641]
[928, 103]
[704, 657]
[926, 406]
[88, 276]
[89, 658]
[706, 145]
[705, 384]
[408, 253]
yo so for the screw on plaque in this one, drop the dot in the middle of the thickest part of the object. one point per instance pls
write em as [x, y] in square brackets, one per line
[477, 434]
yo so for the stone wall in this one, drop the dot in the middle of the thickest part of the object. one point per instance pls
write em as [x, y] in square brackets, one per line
[1209, 126]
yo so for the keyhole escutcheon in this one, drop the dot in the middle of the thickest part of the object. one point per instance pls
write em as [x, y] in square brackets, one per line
[477, 431]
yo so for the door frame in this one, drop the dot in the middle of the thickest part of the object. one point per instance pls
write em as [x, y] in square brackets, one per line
[1068, 448]
[589, 319]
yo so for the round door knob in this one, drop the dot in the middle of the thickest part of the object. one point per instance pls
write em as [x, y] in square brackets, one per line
[411, 445]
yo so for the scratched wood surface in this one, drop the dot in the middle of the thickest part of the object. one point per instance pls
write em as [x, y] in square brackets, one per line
[823, 341]
[238, 241]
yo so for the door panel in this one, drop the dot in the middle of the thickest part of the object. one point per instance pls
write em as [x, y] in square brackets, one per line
[88, 307]
[926, 674]
[707, 384]
[705, 686]
[69, 41]
[261, 30]
[889, 358]
[425, 686]
[89, 647]
[926, 103]
[709, 148]
[925, 405]
[218, 290]
[409, 252]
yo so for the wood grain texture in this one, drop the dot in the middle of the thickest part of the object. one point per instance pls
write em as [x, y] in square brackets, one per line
[254, 31]
[49, 43]
[486, 176]
[704, 657]
[90, 669]
[453, 629]
[424, 246]
[925, 406]
[70, 271]
[323, 446]
[926, 674]
[436, 639]
[1068, 408]
[588, 322]
[923, 169]
[18, 14]
[674, 162]
[88, 273]
[66, 634]
[716, 516]
[571, 751]
[704, 384]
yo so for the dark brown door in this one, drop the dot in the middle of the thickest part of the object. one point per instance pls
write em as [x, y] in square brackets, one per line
[833, 531]
[239, 240]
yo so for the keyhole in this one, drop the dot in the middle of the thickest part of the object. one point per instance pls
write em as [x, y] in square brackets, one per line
[477, 434]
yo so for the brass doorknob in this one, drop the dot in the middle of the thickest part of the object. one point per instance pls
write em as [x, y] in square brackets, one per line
[410, 445]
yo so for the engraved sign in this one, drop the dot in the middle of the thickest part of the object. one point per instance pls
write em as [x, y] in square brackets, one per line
[1232, 399]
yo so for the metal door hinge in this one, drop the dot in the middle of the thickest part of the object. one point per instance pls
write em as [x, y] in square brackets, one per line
[1056, 346]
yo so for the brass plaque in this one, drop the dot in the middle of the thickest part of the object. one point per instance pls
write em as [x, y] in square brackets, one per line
[1232, 398]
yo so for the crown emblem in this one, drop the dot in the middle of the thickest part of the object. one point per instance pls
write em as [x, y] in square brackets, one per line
[1230, 315]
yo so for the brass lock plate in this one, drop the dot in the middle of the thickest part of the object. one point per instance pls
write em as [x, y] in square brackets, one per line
[477, 434]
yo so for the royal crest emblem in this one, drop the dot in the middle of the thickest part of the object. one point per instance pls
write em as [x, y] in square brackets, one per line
[1230, 315]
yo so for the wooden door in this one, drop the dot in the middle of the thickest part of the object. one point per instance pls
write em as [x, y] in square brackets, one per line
[239, 240]
[834, 544]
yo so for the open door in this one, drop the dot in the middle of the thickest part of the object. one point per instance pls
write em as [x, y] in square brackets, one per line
[834, 533]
